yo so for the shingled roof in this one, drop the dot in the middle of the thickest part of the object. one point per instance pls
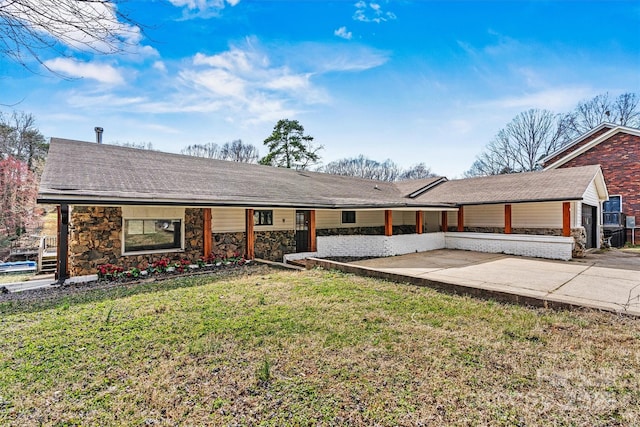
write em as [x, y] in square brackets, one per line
[566, 184]
[84, 172]
[78, 172]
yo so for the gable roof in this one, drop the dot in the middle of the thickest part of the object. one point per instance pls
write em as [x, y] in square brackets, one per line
[573, 150]
[566, 184]
[85, 172]
[78, 172]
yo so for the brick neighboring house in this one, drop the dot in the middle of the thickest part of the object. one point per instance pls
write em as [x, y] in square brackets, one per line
[617, 150]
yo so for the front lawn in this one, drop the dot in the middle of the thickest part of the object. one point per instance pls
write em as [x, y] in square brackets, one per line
[310, 348]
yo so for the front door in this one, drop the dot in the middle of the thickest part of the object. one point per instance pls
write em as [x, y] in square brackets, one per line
[589, 214]
[302, 231]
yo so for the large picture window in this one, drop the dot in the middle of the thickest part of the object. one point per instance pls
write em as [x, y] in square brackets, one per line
[263, 217]
[142, 235]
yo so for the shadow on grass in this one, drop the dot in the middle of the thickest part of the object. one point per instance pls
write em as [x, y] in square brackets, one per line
[34, 301]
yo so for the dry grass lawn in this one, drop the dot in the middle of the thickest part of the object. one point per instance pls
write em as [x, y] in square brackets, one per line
[311, 348]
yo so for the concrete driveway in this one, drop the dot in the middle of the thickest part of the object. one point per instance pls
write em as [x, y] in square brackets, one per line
[603, 283]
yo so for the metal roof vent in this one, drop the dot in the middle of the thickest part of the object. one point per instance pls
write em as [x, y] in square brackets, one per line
[99, 131]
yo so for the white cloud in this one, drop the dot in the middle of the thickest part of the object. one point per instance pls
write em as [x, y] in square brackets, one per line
[371, 12]
[555, 99]
[102, 73]
[202, 8]
[159, 65]
[99, 28]
[343, 33]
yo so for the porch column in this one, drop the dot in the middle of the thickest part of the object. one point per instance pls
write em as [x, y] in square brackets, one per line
[419, 222]
[207, 244]
[250, 252]
[566, 219]
[312, 231]
[444, 220]
[388, 223]
[507, 219]
[62, 271]
[461, 218]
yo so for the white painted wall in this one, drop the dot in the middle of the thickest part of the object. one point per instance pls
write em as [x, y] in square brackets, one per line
[378, 245]
[551, 247]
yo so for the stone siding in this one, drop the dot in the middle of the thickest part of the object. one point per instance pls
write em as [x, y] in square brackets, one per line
[350, 231]
[95, 238]
[500, 230]
[364, 231]
[273, 245]
[227, 244]
[580, 238]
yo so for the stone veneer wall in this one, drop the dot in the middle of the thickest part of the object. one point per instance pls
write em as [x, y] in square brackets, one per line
[273, 245]
[500, 230]
[227, 244]
[364, 231]
[580, 237]
[95, 237]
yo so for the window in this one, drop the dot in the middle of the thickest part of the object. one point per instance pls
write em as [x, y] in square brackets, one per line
[614, 204]
[348, 217]
[263, 217]
[152, 235]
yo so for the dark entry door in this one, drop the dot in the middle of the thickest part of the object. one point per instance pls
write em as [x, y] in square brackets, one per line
[302, 231]
[589, 215]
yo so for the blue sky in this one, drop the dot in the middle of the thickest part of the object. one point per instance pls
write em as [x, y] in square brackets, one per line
[413, 81]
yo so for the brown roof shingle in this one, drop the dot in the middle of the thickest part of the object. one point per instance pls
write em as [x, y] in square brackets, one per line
[560, 184]
[89, 173]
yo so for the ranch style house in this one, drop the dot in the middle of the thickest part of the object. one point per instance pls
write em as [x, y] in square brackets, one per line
[129, 207]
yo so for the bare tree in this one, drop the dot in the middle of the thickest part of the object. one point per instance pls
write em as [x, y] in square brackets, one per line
[136, 145]
[518, 147]
[363, 167]
[589, 114]
[418, 171]
[235, 151]
[209, 150]
[19, 138]
[30, 27]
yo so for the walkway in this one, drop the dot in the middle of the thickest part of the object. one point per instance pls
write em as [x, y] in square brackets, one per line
[515, 279]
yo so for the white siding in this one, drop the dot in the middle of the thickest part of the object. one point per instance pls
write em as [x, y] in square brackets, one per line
[537, 215]
[590, 196]
[484, 216]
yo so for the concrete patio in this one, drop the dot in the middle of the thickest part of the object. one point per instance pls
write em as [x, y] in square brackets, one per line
[531, 281]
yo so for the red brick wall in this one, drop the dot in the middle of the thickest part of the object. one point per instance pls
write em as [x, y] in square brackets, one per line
[577, 146]
[619, 157]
